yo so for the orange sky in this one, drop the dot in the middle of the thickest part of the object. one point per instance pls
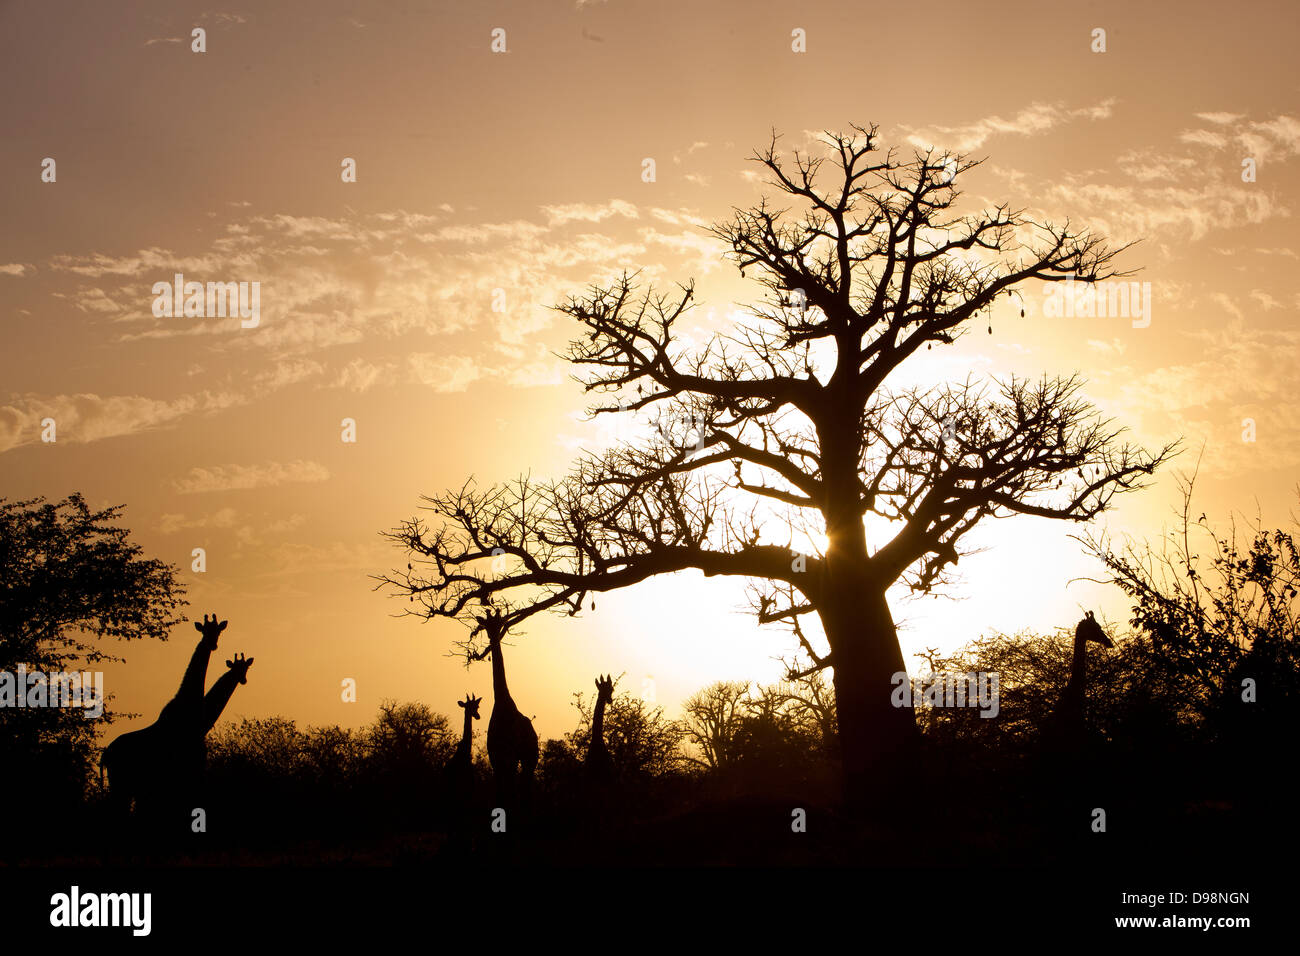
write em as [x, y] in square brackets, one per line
[522, 172]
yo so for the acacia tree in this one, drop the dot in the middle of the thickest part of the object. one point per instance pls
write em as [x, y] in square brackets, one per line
[71, 578]
[788, 423]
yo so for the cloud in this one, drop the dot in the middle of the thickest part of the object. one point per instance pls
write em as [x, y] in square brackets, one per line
[1245, 372]
[1275, 139]
[92, 300]
[14, 269]
[1032, 120]
[171, 523]
[1189, 210]
[1227, 305]
[246, 477]
[89, 417]
[360, 375]
[1204, 137]
[356, 301]
[444, 373]
[586, 212]
[147, 261]
[1266, 301]
[1110, 347]
[1219, 119]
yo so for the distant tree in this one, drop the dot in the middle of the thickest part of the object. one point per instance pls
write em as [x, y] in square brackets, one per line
[70, 580]
[784, 431]
[640, 739]
[809, 701]
[558, 762]
[333, 756]
[268, 748]
[765, 730]
[713, 720]
[409, 740]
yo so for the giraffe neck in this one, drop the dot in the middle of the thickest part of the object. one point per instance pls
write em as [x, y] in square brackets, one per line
[1079, 668]
[598, 724]
[197, 671]
[500, 692]
[216, 699]
[467, 735]
[188, 702]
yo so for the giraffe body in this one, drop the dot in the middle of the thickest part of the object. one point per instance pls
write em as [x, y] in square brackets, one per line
[163, 763]
[511, 740]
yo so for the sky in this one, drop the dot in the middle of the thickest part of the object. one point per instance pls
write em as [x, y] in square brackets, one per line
[514, 179]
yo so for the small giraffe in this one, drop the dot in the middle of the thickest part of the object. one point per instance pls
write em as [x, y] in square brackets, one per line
[511, 739]
[460, 768]
[216, 699]
[166, 758]
[1068, 717]
[599, 764]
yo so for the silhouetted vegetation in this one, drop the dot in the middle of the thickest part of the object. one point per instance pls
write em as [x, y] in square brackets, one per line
[1187, 714]
[70, 581]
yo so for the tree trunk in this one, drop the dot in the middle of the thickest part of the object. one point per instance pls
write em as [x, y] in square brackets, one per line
[878, 741]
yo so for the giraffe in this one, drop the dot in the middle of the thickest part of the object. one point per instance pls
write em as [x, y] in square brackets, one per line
[216, 699]
[599, 764]
[1068, 724]
[166, 758]
[460, 768]
[511, 739]
[1077, 781]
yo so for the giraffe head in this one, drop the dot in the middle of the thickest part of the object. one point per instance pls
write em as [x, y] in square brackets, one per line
[1089, 630]
[470, 703]
[604, 689]
[211, 630]
[493, 624]
[239, 667]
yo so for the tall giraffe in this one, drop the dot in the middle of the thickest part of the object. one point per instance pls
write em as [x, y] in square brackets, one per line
[1078, 783]
[599, 764]
[218, 696]
[165, 759]
[511, 739]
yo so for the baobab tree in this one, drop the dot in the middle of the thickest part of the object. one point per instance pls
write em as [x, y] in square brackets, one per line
[788, 422]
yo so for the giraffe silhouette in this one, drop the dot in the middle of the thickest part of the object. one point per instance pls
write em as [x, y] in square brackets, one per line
[1068, 726]
[511, 739]
[1076, 774]
[164, 761]
[218, 696]
[599, 764]
[460, 768]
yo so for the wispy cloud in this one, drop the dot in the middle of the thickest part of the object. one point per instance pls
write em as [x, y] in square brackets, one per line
[245, 477]
[87, 417]
[172, 523]
[1033, 119]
